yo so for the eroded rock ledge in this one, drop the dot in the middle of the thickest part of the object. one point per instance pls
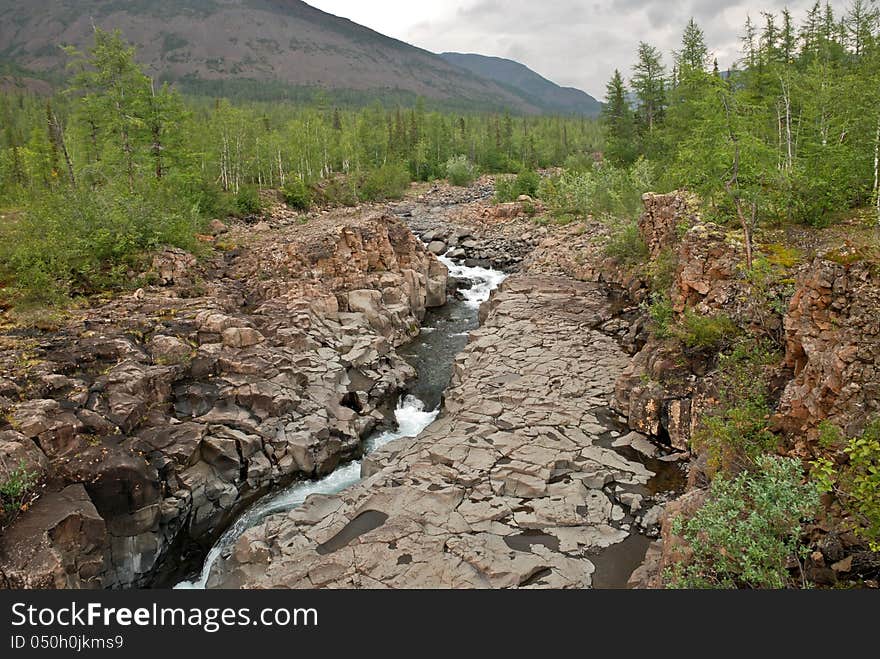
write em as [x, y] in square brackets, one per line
[511, 487]
[152, 419]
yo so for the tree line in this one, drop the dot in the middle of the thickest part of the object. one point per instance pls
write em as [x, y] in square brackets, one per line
[115, 163]
[790, 133]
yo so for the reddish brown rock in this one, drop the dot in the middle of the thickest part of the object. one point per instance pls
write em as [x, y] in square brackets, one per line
[832, 333]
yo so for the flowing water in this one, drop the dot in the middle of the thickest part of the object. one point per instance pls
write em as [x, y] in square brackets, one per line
[433, 353]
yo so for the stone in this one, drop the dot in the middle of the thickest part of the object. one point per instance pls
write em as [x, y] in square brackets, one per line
[505, 489]
[242, 337]
[437, 247]
[169, 350]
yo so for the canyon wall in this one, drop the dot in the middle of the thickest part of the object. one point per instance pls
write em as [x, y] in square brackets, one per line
[152, 419]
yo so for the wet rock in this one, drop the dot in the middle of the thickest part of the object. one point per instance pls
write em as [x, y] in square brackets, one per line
[502, 491]
[437, 247]
[169, 410]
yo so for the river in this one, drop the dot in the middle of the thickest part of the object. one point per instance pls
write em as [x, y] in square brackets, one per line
[444, 334]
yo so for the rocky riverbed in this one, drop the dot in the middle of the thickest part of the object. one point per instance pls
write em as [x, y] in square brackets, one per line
[514, 486]
[151, 420]
[154, 420]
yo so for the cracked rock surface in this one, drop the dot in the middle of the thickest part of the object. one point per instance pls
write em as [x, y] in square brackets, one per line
[512, 487]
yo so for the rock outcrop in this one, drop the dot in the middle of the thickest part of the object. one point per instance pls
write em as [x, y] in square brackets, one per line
[666, 216]
[155, 417]
[515, 486]
[832, 335]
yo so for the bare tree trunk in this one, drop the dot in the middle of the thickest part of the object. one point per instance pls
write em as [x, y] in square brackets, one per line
[58, 140]
[789, 162]
[877, 170]
[733, 188]
[156, 130]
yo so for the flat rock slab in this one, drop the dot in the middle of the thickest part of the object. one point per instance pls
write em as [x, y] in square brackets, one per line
[510, 488]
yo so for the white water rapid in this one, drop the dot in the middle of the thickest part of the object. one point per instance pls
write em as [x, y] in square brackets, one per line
[411, 416]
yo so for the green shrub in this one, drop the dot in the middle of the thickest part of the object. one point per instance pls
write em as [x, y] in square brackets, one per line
[706, 332]
[511, 188]
[602, 190]
[15, 486]
[857, 483]
[87, 240]
[340, 191]
[297, 194]
[460, 171]
[505, 189]
[527, 183]
[247, 201]
[387, 182]
[661, 272]
[736, 434]
[625, 243]
[748, 529]
[662, 315]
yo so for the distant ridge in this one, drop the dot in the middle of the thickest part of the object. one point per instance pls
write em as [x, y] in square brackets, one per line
[258, 49]
[520, 79]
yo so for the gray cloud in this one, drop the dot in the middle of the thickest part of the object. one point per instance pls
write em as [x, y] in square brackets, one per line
[572, 42]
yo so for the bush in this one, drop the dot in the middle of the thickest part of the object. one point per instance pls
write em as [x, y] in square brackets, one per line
[339, 191]
[706, 332]
[602, 190]
[505, 189]
[510, 188]
[87, 240]
[460, 171]
[662, 315]
[15, 486]
[736, 434]
[748, 529]
[858, 483]
[297, 194]
[247, 201]
[626, 245]
[527, 183]
[387, 182]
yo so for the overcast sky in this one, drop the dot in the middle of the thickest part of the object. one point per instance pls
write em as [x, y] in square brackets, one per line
[572, 42]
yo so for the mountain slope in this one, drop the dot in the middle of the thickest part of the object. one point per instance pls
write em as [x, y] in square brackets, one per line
[522, 80]
[282, 42]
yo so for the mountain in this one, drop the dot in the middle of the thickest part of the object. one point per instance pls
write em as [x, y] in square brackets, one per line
[254, 48]
[524, 82]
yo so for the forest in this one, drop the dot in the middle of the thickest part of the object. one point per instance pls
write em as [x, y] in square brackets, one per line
[790, 134]
[781, 150]
[115, 164]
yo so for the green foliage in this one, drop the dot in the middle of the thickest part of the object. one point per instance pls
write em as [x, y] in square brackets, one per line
[857, 484]
[863, 481]
[748, 530]
[297, 194]
[662, 315]
[527, 182]
[706, 332]
[661, 271]
[247, 201]
[601, 191]
[510, 188]
[625, 243]
[505, 189]
[460, 171]
[387, 182]
[736, 433]
[81, 241]
[15, 486]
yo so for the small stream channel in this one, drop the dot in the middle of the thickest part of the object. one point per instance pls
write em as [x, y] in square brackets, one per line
[444, 334]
